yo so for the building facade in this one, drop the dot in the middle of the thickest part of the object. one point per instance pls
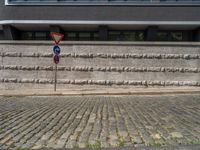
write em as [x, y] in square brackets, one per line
[101, 20]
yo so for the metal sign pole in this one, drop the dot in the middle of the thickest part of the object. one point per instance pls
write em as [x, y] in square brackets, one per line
[55, 77]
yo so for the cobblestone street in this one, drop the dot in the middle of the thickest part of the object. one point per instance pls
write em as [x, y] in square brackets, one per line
[99, 121]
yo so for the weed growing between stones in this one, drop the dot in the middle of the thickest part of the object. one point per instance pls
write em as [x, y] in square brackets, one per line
[23, 149]
[194, 142]
[155, 144]
[97, 144]
[121, 142]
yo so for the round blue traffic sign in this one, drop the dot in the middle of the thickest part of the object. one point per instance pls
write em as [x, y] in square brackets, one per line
[56, 50]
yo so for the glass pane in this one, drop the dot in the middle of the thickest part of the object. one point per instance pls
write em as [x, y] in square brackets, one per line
[126, 36]
[96, 36]
[162, 36]
[71, 36]
[27, 35]
[176, 36]
[114, 36]
[84, 36]
[129, 36]
[140, 36]
[40, 36]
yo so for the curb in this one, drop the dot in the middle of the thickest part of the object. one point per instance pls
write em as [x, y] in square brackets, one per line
[164, 92]
[182, 147]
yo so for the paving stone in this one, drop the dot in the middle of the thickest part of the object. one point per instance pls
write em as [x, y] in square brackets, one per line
[82, 145]
[156, 136]
[104, 144]
[176, 135]
[58, 122]
[61, 143]
[114, 142]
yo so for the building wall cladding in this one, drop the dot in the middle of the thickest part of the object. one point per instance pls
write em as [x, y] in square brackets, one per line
[118, 13]
[27, 65]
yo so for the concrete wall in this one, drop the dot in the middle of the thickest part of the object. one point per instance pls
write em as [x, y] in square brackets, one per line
[30, 64]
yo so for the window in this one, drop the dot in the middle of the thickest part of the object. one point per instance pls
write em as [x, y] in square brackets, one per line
[85, 36]
[27, 36]
[170, 36]
[81, 36]
[113, 35]
[126, 36]
[162, 36]
[40, 35]
[176, 36]
[95, 36]
[34, 35]
[70, 36]
[1, 35]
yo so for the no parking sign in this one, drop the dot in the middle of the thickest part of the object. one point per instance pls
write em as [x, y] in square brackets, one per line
[56, 59]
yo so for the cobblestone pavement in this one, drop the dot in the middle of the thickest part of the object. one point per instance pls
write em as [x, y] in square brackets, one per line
[99, 121]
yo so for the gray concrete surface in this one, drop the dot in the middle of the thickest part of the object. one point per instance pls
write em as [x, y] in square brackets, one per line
[94, 90]
[99, 121]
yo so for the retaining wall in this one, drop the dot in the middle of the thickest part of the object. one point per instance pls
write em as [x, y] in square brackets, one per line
[29, 65]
